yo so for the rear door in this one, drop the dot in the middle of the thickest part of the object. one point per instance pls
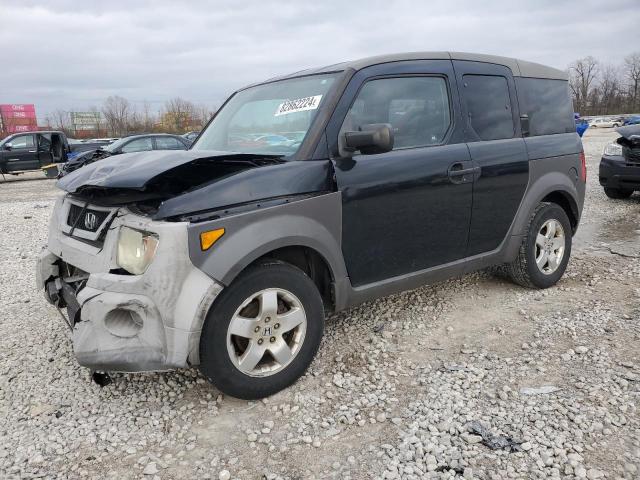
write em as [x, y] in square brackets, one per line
[45, 156]
[409, 209]
[23, 154]
[493, 134]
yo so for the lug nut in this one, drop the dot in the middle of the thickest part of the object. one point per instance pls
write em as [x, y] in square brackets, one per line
[260, 341]
[257, 329]
[277, 325]
[268, 319]
[272, 339]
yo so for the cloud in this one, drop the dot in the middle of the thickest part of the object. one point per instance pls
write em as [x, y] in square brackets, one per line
[66, 54]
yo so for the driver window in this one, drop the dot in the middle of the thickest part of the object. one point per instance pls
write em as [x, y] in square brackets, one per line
[416, 107]
[22, 141]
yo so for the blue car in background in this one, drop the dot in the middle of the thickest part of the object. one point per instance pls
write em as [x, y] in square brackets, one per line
[633, 120]
[581, 124]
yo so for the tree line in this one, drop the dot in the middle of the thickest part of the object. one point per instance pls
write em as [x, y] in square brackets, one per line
[118, 117]
[600, 88]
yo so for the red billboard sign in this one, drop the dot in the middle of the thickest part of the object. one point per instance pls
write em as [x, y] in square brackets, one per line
[17, 111]
[17, 107]
[18, 117]
[20, 128]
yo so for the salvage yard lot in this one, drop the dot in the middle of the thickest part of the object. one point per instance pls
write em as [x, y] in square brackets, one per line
[391, 393]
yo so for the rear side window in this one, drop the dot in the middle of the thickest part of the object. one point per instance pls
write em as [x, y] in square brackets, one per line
[138, 145]
[416, 107]
[548, 104]
[169, 143]
[488, 106]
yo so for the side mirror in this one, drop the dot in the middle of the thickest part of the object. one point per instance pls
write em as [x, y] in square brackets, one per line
[370, 139]
[8, 146]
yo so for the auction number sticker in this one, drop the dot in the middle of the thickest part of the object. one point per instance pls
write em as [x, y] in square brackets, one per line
[298, 105]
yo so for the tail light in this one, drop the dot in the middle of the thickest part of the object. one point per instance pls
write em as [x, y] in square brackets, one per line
[583, 167]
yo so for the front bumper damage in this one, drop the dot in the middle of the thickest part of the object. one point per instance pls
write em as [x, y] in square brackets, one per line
[122, 322]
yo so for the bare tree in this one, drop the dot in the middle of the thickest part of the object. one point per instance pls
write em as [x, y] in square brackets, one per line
[148, 118]
[117, 111]
[179, 115]
[203, 115]
[609, 89]
[632, 71]
[60, 120]
[582, 76]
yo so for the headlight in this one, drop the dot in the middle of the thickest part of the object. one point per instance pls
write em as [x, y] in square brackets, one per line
[613, 150]
[135, 250]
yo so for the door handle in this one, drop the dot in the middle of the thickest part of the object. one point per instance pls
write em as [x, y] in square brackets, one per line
[33, 151]
[457, 172]
[463, 171]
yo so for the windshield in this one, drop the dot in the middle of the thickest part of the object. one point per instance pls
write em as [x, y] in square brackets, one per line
[270, 119]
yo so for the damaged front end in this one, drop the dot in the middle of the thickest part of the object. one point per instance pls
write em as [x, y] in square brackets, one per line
[147, 315]
[630, 143]
[122, 321]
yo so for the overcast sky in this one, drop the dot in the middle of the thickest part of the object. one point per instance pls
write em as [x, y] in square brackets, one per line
[72, 54]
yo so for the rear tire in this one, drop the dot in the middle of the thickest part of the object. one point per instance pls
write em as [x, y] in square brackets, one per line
[617, 193]
[545, 249]
[248, 323]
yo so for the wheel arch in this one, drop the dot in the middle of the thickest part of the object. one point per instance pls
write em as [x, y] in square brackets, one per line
[568, 204]
[549, 186]
[306, 234]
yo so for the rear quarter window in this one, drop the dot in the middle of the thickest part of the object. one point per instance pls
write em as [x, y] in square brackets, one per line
[548, 105]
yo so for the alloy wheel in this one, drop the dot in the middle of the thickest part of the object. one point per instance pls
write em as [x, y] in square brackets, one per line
[266, 332]
[550, 246]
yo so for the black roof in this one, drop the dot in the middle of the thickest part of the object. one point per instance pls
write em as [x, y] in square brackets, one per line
[520, 68]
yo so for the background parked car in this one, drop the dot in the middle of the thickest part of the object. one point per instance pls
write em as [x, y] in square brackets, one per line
[133, 143]
[605, 123]
[632, 120]
[34, 150]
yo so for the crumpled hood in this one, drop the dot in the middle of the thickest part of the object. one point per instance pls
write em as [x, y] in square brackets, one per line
[132, 170]
[174, 183]
[630, 132]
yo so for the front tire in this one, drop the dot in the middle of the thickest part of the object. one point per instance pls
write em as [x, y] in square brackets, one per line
[545, 249]
[262, 332]
[617, 193]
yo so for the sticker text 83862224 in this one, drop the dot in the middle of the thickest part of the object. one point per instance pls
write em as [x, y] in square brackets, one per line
[298, 105]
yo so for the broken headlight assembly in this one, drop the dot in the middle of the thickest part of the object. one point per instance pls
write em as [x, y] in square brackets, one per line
[613, 150]
[136, 250]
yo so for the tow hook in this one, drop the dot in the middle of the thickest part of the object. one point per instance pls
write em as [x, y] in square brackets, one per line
[101, 378]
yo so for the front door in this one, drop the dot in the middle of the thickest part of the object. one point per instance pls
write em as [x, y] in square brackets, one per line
[409, 209]
[23, 154]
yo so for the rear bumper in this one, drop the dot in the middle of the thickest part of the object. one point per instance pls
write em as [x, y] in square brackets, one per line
[615, 173]
[128, 322]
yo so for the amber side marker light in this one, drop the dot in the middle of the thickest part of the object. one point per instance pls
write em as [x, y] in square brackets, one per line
[207, 239]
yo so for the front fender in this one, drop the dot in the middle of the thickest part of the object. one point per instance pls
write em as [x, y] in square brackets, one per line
[314, 222]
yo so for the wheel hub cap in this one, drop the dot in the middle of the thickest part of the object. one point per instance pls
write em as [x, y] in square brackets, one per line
[266, 332]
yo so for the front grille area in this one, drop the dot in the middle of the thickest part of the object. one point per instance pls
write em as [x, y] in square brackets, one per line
[86, 219]
[631, 155]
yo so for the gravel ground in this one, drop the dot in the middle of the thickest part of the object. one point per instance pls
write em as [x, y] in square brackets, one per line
[396, 391]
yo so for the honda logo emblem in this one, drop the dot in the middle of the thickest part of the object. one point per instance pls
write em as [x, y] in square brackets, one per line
[267, 332]
[90, 221]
